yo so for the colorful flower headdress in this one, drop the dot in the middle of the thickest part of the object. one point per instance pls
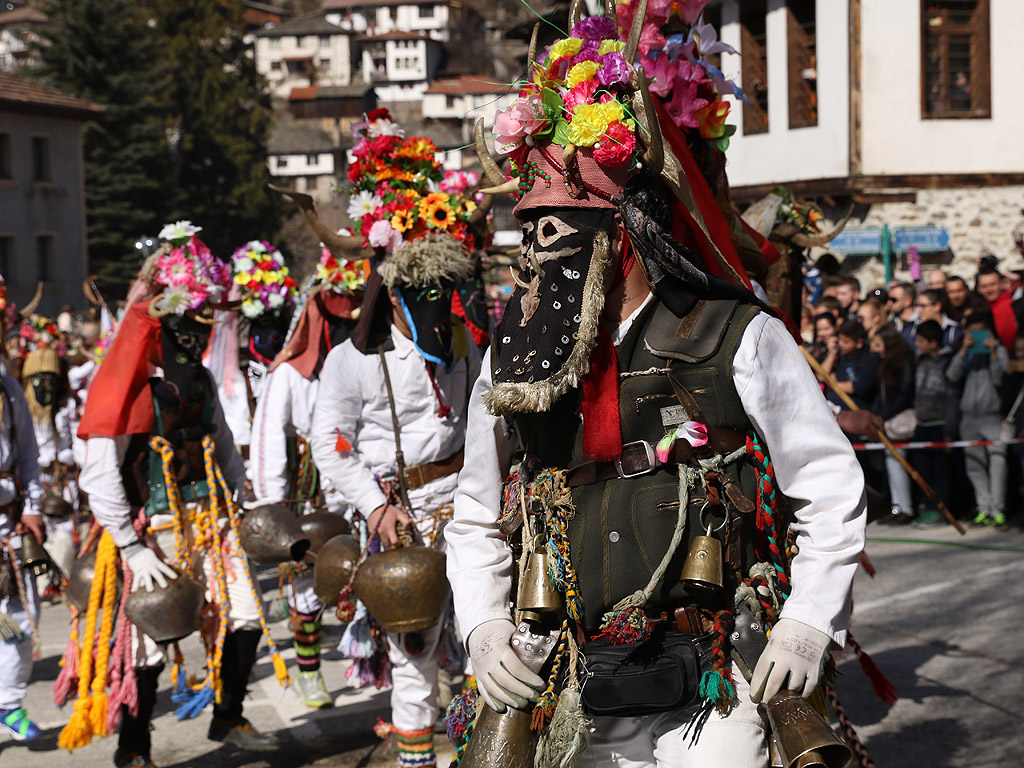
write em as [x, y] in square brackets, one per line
[38, 333]
[258, 268]
[400, 191]
[345, 276]
[675, 45]
[188, 273]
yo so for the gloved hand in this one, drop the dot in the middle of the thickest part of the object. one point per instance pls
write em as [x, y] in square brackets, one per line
[795, 652]
[502, 679]
[147, 568]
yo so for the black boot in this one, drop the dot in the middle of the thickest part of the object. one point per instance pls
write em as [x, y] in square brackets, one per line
[133, 738]
[228, 725]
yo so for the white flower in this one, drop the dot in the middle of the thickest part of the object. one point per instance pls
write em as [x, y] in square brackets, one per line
[244, 264]
[433, 186]
[253, 309]
[384, 127]
[276, 300]
[179, 231]
[175, 299]
[362, 203]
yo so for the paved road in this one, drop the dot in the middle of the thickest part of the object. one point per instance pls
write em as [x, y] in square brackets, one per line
[942, 618]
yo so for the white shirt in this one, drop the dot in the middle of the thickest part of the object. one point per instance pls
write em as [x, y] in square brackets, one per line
[353, 403]
[814, 465]
[21, 459]
[101, 476]
[54, 440]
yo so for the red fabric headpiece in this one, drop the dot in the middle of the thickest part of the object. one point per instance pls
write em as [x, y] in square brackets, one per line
[310, 342]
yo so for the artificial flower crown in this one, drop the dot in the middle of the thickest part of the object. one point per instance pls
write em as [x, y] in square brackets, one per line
[188, 273]
[344, 276]
[258, 268]
[400, 192]
[38, 333]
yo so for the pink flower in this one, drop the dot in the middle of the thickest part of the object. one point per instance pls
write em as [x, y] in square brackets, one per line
[522, 119]
[383, 235]
[685, 104]
[616, 146]
[661, 72]
[175, 269]
[580, 94]
[690, 10]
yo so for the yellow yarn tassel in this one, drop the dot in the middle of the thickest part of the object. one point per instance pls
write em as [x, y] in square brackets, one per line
[281, 669]
[98, 712]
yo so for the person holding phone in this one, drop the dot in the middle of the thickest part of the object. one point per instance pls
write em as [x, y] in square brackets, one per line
[980, 366]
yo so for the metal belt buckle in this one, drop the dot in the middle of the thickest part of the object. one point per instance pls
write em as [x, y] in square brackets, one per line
[414, 477]
[634, 450]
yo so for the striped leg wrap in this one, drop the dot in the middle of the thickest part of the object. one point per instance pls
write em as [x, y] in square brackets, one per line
[306, 640]
[416, 748]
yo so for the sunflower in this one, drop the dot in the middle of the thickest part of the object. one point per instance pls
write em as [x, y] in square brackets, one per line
[403, 219]
[438, 213]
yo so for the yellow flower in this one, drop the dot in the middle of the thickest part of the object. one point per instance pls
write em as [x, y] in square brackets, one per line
[570, 46]
[437, 214]
[582, 72]
[243, 278]
[257, 275]
[403, 220]
[610, 46]
[590, 121]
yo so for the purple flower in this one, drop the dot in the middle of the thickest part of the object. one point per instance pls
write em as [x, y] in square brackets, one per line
[588, 52]
[596, 28]
[614, 70]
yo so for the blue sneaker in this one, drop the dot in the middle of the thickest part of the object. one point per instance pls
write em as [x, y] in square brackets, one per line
[18, 725]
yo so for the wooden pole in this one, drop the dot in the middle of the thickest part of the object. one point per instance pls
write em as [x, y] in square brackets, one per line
[834, 386]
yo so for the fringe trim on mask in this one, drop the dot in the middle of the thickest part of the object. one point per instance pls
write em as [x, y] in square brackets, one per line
[515, 397]
[427, 260]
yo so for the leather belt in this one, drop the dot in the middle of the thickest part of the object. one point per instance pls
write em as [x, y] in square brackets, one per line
[419, 475]
[639, 458]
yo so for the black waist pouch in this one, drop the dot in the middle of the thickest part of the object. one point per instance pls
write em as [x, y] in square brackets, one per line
[633, 679]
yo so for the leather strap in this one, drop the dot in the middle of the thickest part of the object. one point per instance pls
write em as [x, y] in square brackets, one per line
[419, 475]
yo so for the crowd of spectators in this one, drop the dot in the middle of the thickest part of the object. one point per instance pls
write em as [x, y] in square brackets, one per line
[938, 360]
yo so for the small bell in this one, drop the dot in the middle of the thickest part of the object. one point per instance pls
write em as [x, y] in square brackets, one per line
[536, 592]
[702, 570]
[33, 557]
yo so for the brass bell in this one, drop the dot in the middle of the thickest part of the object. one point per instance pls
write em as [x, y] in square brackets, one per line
[167, 614]
[500, 740]
[271, 534]
[536, 592]
[320, 527]
[404, 589]
[702, 570]
[803, 737]
[80, 579]
[335, 564]
[33, 557]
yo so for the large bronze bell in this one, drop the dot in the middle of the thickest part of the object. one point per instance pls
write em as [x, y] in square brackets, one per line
[803, 737]
[33, 557]
[702, 571]
[500, 740]
[404, 589]
[335, 564]
[536, 592]
[83, 571]
[167, 614]
[271, 534]
[56, 507]
[322, 526]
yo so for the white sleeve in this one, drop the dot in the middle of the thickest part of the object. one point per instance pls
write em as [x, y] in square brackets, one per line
[268, 449]
[338, 406]
[479, 561]
[28, 451]
[101, 479]
[228, 458]
[63, 420]
[815, 467]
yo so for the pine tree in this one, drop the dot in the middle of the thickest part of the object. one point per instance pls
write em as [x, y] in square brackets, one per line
[102, 50]
[219, 124]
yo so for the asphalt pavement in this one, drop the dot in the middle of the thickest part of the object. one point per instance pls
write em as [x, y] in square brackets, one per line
[942, 619]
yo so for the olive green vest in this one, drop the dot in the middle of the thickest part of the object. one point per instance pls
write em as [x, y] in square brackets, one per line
[623, 527]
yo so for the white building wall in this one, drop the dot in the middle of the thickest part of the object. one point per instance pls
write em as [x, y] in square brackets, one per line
[406, 60]
[302, 164]
[783, 155]
[896, 140]
[270, 60]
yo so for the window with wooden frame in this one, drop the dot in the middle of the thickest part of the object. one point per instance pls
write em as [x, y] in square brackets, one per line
[802, 38]
[956, 60]
[754, 65]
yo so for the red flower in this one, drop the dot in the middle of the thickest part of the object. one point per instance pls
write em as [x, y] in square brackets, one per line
[267, 265]
[289, 283]
[377, 114]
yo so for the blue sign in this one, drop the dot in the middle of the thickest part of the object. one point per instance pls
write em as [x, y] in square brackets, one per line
[925, 239]
[857, 241]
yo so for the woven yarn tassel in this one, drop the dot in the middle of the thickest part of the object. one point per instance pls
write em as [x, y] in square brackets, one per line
[568, 735]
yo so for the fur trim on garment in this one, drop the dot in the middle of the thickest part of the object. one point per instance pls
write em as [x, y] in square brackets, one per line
[514, 397]
[41, 361]
[428, 260]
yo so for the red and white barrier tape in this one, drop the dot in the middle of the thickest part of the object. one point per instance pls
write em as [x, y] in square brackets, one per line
[940, 444]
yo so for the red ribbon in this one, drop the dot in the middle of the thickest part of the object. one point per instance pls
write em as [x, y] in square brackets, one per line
[602, 429]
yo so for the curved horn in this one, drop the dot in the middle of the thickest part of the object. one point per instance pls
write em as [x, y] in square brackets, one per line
[342, 247]
[531, 57]
[518, 280]
[510, 186]
[568, 153]
[575, 14]
[633, 42]
[807, 241]
[155, 312]
[31, 307]
[654, 155]
[88, 292]
[487, 161]
[609, 11]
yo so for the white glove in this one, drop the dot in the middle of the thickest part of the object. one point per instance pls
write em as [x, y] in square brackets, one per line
[795, 653]
[501, 677]
[147, 568]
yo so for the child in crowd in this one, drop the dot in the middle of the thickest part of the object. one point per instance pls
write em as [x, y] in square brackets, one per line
[856, 370]
[979, 366]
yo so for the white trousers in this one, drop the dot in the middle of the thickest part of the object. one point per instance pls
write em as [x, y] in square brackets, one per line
[241, 609]
[678, 740]
[414, 679]
[16, 659]
[301, 596]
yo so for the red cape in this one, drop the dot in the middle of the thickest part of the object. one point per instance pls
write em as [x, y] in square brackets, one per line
[119, 401]
[309, 344]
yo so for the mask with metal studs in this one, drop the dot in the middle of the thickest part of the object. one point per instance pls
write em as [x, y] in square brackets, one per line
[428, 311]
